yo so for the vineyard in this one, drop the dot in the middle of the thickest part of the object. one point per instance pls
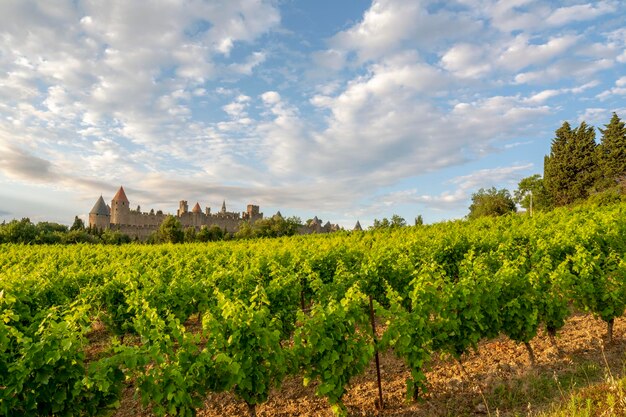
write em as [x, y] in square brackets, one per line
[187, 321]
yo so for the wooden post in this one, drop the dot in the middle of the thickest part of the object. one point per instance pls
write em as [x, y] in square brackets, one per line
[380, 387]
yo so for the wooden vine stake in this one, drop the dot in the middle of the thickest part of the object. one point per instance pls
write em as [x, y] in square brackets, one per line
[380, 387]
[531, 354]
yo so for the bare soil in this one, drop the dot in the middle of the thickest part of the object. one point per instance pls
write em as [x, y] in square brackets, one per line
[498, 379]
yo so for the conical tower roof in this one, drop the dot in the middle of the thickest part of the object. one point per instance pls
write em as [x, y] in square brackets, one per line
[100, 208]
[224, 206]
[196, 208]
[121, 195]
[357, 226]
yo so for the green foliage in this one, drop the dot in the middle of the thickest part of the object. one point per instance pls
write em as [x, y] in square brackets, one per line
[78, 224]
[532, 189]
[611, 153]
[42, 365]
[189, 235]
[491, 202]
[330, 347]
[114, 237]
[210, 234]
[409, 331]
[385, 223]
[247, 333]
[570, 171]
[170, 231]
[598, 282]
[22, 231]
[172, 372]
[275, 226]
[271, 307]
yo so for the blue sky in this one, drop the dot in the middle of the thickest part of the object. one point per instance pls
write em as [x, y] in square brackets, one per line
[342, 109]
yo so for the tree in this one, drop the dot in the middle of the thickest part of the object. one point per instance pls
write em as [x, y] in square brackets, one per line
[397, 221]
[189, 235]
[170, 230]
[22, 231]
[210, 234]
[385, 223]
[556, 180]
[583, 163]
[78, 224]
[570, 170]
[611, 153]
[419, 220]
[491, 202]
[114, 237]
[532, 187]
[245, 231]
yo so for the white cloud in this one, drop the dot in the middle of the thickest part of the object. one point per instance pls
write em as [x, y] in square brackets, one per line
[520, 53]
[466, 61]
[253, 61]
[566, 68]
[216, 97]
[618, 90]
[388, 25]
[458, 197]
[580, 12]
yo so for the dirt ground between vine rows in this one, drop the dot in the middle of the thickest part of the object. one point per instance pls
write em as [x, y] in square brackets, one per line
[500, 372]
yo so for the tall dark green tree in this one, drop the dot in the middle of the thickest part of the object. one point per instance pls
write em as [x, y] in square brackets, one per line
[570, 171]
[611, 153]
[555, 165]
[584, 166]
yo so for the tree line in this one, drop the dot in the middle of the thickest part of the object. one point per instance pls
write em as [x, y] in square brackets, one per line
[577, 169]
[170, 231]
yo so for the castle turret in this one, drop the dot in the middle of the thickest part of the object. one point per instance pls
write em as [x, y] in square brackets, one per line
[357, 227]
[183, 208]
[196, 209]
[224, 206]
[120, 210]
[99, 215]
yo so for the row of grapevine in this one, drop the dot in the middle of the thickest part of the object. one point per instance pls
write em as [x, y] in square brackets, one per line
[297, 306]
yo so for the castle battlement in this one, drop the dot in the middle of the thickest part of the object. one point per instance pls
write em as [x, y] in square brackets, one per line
[135, 223]
[139, 224]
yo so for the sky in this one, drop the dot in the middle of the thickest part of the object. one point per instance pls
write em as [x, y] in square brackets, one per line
[348, 110]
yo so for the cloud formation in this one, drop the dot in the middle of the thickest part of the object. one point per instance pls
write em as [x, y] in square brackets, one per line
[220, 100]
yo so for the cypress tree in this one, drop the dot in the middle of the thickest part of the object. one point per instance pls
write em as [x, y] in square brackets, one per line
[583, 169]
[570, 170]
[556, 178]
[611, 153]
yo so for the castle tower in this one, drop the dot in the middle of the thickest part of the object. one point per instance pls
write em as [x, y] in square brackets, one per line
[357, 227]
[99, 215]
[120, 210]
[183, 208]
[252, 210]
[196, 209]
[224, 206]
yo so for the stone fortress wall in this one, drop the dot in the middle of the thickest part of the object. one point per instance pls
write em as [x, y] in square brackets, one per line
[137, 224]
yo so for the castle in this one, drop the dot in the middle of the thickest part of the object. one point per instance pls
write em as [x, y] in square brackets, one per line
[134, 223]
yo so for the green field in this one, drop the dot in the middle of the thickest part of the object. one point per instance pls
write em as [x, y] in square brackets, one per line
[190, 319]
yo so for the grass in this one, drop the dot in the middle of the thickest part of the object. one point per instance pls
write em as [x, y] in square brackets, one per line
[605, 399]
